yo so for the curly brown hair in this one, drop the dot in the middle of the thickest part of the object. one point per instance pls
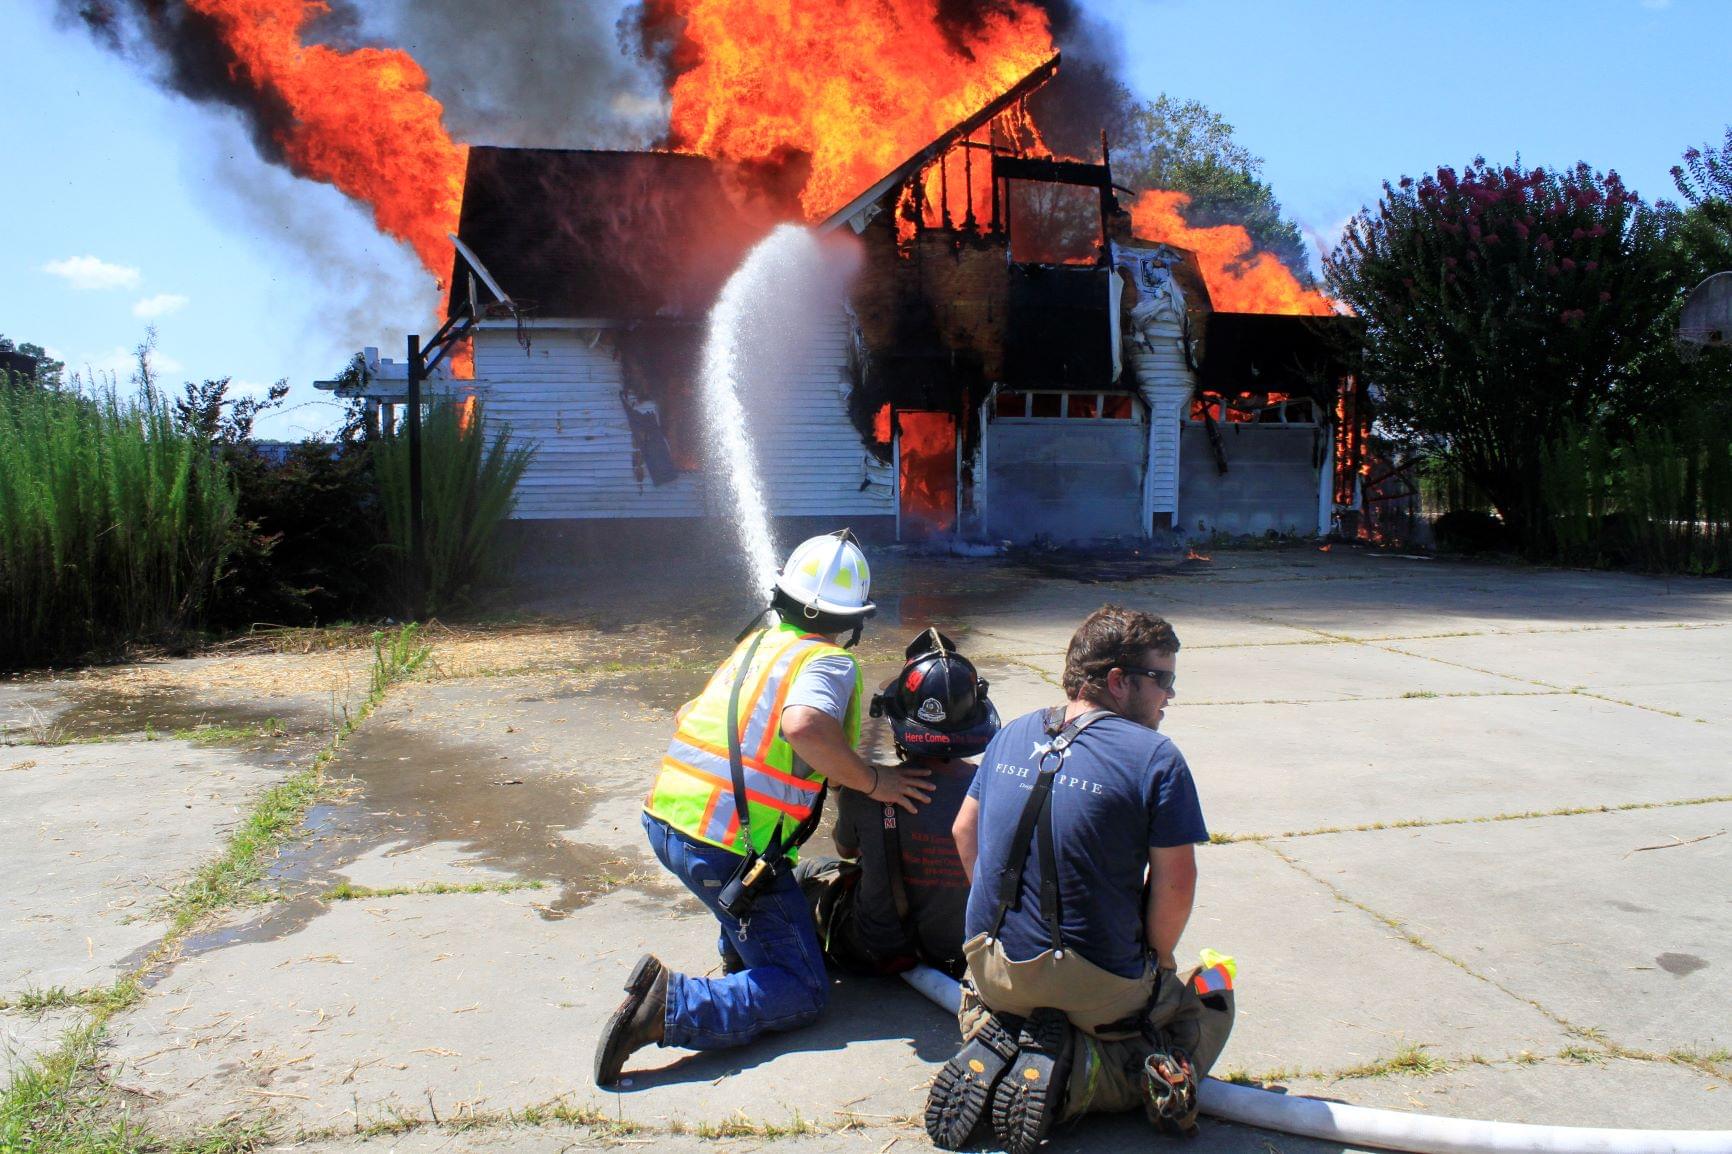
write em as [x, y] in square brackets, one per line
[1113, 636]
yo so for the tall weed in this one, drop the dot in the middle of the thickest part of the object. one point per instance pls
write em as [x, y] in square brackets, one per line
[1659, 500]
[113, 524]
[469, 488]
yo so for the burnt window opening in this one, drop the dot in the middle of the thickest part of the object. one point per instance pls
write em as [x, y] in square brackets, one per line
[1054, 223]
[659, 367]
[1254, 409]
[1062, 405]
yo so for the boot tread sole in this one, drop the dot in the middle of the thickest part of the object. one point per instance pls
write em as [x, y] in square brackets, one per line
[642, 980]
[960, 1093]
[1026, 1103]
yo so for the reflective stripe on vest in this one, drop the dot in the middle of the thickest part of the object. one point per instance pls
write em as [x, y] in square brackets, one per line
[694, 791]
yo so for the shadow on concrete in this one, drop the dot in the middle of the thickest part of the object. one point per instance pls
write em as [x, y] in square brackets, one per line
[860, 1010]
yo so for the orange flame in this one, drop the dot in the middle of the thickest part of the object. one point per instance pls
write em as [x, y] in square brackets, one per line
[927, 446]
[362, 120]
[857, 85]
[462, 359]
[1240, 280]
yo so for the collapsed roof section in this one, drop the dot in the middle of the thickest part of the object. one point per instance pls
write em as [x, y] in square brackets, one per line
[1268, 352]
[603, 235]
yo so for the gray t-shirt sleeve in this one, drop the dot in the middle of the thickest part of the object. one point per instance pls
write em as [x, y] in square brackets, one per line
[825, 683]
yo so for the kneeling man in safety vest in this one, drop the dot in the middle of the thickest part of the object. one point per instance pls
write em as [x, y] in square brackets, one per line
[741, 786]
[1078, 835]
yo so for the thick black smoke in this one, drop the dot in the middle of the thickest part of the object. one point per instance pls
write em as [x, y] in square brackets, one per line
[550, 74]
[183, 52]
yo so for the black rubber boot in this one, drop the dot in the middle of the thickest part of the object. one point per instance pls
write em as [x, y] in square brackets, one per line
[963, 1088]
[639, 1021]
[1031, 1093]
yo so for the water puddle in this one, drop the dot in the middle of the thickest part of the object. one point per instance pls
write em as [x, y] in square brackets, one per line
[407, 790]
[97, 713]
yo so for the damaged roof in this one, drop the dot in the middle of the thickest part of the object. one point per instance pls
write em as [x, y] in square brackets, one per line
[576, 233]
[1260, 352]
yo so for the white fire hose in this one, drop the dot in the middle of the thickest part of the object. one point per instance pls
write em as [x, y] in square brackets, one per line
[1396, 1129]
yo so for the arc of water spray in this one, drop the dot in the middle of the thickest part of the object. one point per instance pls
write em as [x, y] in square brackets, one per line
[732, 446]
[758, 335]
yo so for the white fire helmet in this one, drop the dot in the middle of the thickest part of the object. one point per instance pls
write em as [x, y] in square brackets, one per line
[829, 574]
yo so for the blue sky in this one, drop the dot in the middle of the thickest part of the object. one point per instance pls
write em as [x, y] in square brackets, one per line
[125, 206]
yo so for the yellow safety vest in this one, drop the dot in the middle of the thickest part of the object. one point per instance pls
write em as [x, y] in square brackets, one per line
[694, 792]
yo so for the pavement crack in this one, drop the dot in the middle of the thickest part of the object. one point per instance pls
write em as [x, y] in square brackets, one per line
[1485, 819]
[1608, 1046]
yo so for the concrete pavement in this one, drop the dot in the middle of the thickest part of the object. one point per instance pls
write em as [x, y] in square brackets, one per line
[1472, 862]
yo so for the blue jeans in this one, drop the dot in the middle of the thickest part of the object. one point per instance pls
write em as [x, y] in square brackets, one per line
[783, 986]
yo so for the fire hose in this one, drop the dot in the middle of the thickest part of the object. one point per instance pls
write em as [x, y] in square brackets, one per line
[1396, 1129]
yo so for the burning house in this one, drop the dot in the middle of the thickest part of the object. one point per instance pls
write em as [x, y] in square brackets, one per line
[1025, 352]
[1016, 359]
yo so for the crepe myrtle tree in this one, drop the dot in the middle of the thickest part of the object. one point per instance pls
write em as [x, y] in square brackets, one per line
[1705, 181]
[1504, 308]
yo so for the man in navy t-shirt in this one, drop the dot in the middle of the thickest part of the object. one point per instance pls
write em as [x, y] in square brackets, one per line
[1124, 821]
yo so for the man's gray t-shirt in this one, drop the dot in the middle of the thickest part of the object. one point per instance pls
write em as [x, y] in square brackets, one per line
[825, 683]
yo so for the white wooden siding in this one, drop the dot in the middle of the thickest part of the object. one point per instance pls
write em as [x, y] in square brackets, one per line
[564, 396]
[1166, 381]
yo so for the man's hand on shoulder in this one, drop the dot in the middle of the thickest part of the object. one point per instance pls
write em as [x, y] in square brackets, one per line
[904, 785]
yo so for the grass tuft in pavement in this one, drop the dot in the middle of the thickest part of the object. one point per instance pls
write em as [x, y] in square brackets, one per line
[51, 1104]
[1410, 1059]
[349, 892]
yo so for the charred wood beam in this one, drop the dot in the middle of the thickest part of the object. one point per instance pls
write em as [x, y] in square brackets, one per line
[961, 131]
[1214, 431]
[1052, 171]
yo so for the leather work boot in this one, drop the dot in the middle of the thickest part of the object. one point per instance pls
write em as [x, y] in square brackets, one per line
[964, 1086]
[637, 1023]
[1030, 1094]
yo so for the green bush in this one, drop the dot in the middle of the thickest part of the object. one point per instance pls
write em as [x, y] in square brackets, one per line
[306, 547]
[1470, 531]
[113, 524]
[469, 488]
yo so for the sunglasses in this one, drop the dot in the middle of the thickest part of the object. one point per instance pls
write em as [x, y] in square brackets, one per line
[1164, 678]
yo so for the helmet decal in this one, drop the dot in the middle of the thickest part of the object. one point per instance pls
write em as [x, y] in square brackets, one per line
[931, 710]
[828, 574]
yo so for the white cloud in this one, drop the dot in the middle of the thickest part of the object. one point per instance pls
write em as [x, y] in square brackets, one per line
[119, 363]
[159, 305]
[92, 273]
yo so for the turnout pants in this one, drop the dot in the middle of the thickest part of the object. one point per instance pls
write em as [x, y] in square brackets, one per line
[1118, 1021]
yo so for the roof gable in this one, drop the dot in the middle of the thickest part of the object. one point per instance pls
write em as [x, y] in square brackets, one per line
[611, 235]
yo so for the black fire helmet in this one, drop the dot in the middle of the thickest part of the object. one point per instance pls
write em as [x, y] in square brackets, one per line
[937, 705]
